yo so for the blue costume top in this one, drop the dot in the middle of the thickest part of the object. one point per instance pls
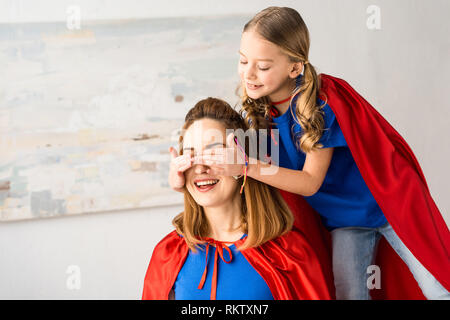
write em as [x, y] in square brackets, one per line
[344, 199]
[236, 280]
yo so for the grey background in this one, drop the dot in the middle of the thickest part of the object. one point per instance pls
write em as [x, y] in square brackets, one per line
[402, 69]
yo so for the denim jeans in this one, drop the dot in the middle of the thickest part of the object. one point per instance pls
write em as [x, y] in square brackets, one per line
[353, 252]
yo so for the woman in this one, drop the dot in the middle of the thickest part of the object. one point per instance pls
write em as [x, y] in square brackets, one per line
[252, 231]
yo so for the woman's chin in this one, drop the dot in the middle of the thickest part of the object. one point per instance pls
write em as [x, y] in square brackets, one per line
[208, 203]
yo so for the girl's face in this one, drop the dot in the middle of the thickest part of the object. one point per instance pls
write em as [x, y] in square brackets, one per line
[206, 189]
[264, 69]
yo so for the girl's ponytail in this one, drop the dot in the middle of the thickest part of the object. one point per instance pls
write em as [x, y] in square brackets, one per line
[307, 113]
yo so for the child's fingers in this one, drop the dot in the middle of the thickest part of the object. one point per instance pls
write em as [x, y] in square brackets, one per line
[178, 161]
[207, 159]
[230, 140]
[181, 161]
[184, 167]
[216, 151]
[216, 157]
[210, 159]
[173, 153]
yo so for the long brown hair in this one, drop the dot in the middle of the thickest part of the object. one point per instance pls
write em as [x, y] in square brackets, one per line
[265, 215]
[285, 28]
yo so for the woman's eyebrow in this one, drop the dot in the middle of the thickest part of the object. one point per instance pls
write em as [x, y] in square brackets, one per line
[209, 146]
[270, 60]
[215, 144]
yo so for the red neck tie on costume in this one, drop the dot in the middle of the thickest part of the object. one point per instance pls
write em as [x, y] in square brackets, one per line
[274, 112]
[219, 251]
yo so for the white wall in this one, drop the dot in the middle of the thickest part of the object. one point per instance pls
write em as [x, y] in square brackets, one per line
[402, 69]
[55, 10]
[111, 250]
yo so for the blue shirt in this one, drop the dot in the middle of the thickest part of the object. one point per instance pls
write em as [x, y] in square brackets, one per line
[236, 280]
[344, 199]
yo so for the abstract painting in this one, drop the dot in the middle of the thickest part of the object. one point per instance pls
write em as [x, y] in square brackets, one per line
[87, 115]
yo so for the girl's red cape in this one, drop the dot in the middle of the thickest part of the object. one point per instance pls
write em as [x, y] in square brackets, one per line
[395, 179]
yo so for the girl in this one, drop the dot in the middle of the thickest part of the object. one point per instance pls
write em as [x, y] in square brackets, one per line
[250, 231]
[338, 152]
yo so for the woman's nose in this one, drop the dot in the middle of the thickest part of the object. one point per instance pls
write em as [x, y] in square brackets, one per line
[200, 168]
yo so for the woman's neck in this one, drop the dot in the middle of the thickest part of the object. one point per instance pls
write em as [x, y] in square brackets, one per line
[225, 220]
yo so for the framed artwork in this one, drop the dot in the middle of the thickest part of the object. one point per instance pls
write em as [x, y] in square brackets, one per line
[87, 114]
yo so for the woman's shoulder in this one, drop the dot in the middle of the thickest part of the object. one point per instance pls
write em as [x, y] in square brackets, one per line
[164, 265]
[169, 250]
[170, 240]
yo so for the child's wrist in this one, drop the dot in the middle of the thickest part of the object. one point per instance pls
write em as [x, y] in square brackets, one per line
[251, 167]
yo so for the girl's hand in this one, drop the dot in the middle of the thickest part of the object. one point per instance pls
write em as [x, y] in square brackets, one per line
[178, 164]
[229, 161]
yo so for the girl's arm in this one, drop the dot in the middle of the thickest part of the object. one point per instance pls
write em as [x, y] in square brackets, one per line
[304, 182]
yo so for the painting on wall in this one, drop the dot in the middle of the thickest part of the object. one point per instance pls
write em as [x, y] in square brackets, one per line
[87, 115]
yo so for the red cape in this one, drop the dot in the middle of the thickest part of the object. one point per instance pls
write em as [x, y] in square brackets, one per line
[288, 264]
[395, 179]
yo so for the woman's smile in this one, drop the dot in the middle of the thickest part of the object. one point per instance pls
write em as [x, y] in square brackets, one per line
[205, 185]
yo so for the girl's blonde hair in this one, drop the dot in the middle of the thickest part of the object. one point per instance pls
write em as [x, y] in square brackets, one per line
[285, 28]
[265, 215]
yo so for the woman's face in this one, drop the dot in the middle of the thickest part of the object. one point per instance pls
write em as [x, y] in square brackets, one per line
[263, 68]
[206, 189]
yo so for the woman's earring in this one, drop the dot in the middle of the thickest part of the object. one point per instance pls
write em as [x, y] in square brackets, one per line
[238, 177]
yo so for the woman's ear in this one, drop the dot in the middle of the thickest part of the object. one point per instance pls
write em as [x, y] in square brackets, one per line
[296, 70]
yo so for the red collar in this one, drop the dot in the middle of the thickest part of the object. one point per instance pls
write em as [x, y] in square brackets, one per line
[282, 101]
